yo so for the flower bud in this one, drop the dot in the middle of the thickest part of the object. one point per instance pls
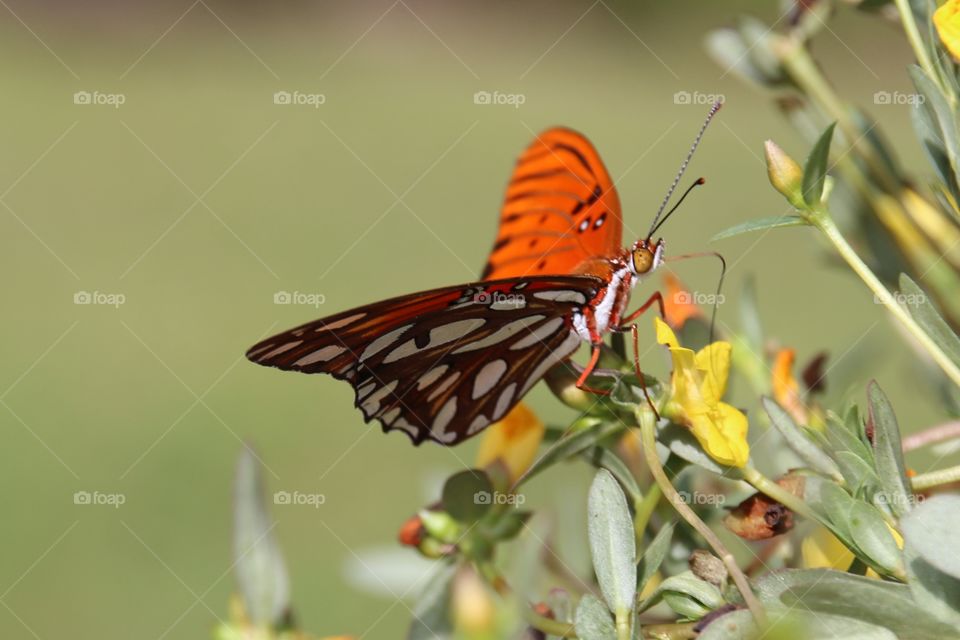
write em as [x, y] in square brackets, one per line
[785, 174]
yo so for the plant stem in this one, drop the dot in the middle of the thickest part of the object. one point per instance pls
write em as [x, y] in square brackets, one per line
[936, 478]
[547, 625]
[916, 42]
[771, 489]
[672, 631]
[648, 437]
[822, 220]
[645, 509]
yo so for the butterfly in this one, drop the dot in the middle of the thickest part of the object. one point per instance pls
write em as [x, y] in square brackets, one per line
[444, 364]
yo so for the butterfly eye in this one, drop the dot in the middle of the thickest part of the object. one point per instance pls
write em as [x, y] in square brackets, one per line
[642, 260]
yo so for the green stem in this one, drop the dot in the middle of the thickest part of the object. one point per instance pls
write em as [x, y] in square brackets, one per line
[822, 220]
[624, 626]
[648, 437]
[671, 631]
[916, 41]
[771, 489]
[936, 478]
[645, 508]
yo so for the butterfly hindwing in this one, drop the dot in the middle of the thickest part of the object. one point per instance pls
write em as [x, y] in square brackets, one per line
[561, 208]
[441, 364]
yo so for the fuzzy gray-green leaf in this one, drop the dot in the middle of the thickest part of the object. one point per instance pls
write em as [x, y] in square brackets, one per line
[932, 529]
[613, 544]
[761, 224]
[923, 311]
[593, 621]
[803, 446]
[888, 452]
[260, 570]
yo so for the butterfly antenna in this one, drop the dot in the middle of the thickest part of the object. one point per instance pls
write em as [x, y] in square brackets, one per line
[683, 167]
[719, 292]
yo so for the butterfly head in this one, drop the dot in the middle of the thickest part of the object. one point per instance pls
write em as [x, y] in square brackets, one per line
[645, 256]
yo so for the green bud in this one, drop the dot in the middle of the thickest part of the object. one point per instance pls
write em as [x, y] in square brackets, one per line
[440, 525]
[785, 174]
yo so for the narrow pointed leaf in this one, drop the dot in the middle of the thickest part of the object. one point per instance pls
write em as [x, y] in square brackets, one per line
[815, 169]
[923, 311]
[802, 446]
[761, 224]
[654, 555]
[888, 452]
[260, 570]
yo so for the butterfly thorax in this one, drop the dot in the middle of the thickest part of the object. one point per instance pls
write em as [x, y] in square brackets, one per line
[604, 312]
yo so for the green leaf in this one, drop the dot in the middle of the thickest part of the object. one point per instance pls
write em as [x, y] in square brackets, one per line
[860, 477]
[873, 538]
[613, 543]
[431, 613]
[939, 110]
[935, 591]
[735, 625]
[261, 573]
[837, 505]
[803, 446]
[681, 442]
[571, 445]
[888, 452]
[815, 168]
[932, 530]
[467, 495]
[653, 556]
[885, 604]
[761, 224]
[687, 595]
[593, 621]
[841, 437]
[918, 304]
[607, 459]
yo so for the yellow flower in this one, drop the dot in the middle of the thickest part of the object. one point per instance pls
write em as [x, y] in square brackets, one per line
[512, 441]
[947, 21]
[698, 383]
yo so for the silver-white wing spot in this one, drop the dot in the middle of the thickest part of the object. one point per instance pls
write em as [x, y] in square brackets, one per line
[431, 376]
[503, 402]
[488, 377]
[442, 419]
[281, 349]
[438, 336]
[390, 416]
[501, 334]
[365, 390]
[371, 405]
[383, 342]
[443, 386]
[342, 322]
[478, 423]
[320, 355]
[538, 335]
[567, 347]
[562, 295]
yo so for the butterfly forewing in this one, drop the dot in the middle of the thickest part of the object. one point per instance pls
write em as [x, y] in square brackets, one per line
[441, 364]
[561, 209]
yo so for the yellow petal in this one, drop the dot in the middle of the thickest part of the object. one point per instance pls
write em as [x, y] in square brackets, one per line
[714, 361]
[946, 19]
[514, 441]
[823, 550]
[665, 334]
[722, 432]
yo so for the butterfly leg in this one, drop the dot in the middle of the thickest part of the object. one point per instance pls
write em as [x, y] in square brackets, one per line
[628, 322]
[595, 346]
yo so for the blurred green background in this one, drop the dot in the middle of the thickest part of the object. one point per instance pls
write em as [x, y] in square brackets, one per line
[199, 198]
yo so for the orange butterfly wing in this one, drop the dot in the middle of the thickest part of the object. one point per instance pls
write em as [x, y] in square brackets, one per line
[561, 209]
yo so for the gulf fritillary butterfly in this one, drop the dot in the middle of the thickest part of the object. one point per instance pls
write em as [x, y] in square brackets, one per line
[445, 364]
